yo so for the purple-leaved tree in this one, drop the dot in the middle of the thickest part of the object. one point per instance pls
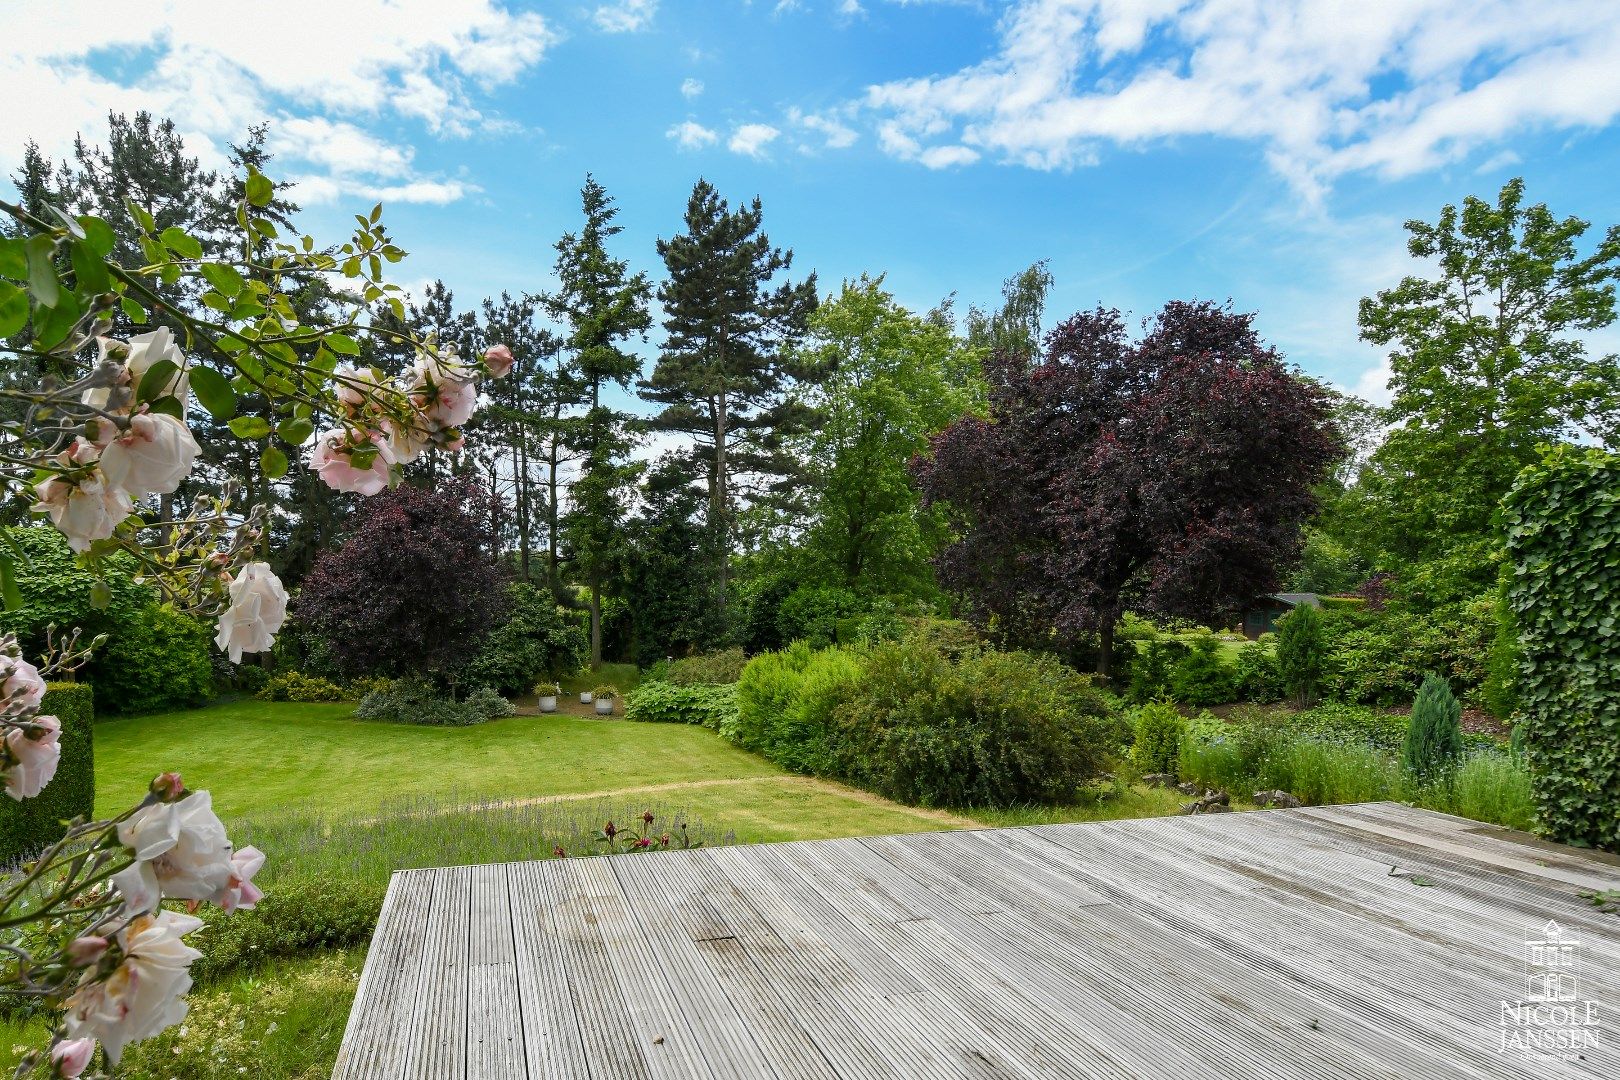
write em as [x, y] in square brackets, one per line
[416, 586]
[1169, 475]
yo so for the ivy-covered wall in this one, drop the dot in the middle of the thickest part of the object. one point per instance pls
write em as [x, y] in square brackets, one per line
[28, 826]
[1563, 537]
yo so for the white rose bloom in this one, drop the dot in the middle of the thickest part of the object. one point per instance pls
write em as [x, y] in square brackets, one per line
[144, 350]
[352, 382]
[258, 608]
[86, 511]
[33, 761]
[406, 443]
[444, 390]
[145, 993]
[182, 853]
[152, 457]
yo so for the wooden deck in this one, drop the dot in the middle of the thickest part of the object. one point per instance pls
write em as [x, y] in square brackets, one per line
[1359, 941]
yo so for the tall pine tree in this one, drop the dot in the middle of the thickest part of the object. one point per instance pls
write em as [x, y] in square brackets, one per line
[601, 305]
[726, 363]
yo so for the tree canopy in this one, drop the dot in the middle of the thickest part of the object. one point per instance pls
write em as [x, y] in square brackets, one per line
[1172, 474]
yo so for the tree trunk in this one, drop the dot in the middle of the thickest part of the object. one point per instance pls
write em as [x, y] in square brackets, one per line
[720, 524]
[524, 506]
[596, 625]
[1105, 649]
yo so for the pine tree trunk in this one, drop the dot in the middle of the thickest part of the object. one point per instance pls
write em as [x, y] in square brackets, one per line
[720, 524]
[596, 625]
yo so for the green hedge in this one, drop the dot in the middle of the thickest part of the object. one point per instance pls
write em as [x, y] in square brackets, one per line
[1563, 536]
[28, 826]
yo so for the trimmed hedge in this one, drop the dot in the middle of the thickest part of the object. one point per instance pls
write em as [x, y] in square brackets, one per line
[1563, 533]
[27, 827]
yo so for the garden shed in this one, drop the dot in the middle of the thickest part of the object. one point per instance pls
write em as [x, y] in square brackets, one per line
[1264, 612]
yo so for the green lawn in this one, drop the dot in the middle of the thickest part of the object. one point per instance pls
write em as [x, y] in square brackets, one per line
[334, 800]
[261, 759]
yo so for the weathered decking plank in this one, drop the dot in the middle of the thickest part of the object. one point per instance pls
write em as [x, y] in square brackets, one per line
[1350, 942]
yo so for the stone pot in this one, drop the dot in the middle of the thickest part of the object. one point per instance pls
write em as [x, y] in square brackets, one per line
[604, 706]
[548, 703]
[584, 697]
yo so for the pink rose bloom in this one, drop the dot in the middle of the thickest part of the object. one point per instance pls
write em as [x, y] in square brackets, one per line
[24, 687]
[152, 457]
[34, 757]
[444, 390]
[72, 1056]
[85, 951]
[498, 358]
[447, 404]
[332, 458]
[240, 892]
[86, 510]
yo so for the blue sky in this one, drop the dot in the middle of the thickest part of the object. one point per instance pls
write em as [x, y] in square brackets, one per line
[1262, 150]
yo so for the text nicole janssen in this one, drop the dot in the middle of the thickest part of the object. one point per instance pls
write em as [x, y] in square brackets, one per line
[1545, 1027]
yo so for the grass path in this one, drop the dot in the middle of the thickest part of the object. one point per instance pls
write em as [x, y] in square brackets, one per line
[806, 783]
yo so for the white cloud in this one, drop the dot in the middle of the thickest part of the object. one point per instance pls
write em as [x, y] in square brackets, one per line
[944, 157]
[1373, 384]
[315, 62]
[851, 9]
[752, 139]
[691, 135]
[835, 134]
[1392, 88]
[625, 16]
[691, 88]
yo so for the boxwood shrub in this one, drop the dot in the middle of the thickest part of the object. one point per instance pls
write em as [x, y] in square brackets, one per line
[28, 826]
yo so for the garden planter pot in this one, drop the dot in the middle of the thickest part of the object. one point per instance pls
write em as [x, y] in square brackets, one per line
[604, 706]
[585, 697]
[548, 704]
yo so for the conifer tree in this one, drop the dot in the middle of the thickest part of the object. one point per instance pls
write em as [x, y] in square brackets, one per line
[1434, 734]
[726, 363]
[601, 305]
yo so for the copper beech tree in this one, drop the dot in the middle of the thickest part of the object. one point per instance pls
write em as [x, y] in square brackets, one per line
[1168, 475]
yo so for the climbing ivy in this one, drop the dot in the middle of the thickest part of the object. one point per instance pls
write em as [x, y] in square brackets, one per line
[1563, 538]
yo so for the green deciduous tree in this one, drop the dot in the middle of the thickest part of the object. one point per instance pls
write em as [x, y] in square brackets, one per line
[725, 369]
[1487, 363]
[895, 380]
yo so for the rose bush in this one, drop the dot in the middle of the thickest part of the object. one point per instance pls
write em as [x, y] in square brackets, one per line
[99, 446]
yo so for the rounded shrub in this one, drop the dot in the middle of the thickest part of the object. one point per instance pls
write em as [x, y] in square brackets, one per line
[537, 640]
[990, 729]
[1203, 677]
